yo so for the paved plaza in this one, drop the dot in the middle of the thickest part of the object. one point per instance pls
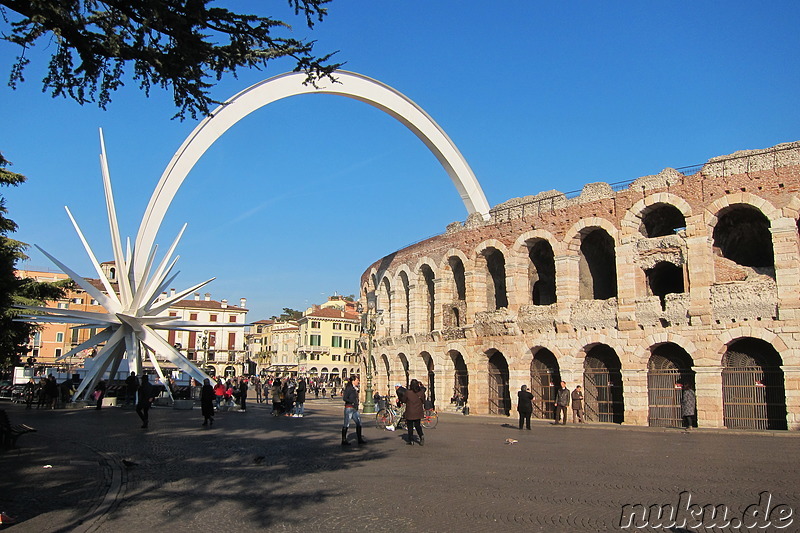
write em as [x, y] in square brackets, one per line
[88, 470]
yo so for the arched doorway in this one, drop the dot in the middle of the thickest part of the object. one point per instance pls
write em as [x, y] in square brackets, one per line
[460, 379]
[602, 383]
[499, 394]
[431, 378]
[753, 394]
[545, 378]
[230, 372]
[668, 371]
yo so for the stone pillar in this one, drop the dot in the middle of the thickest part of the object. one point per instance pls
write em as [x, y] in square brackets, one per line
[791, 380]
[634, 390]
[708, 386]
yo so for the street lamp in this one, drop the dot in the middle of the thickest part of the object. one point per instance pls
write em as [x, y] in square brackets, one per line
[368, 326]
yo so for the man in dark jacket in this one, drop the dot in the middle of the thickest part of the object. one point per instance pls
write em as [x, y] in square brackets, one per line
[562, 402]
[350, 397]
[147, 393]
[300, 399]
[131, 386]
[524, 406]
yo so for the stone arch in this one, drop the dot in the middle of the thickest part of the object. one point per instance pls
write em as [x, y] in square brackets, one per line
[425, 298]
[348, 84]
[632, 220]
[670, 371]
[602, 384]
[453, 293]
[490, 260]
[545, 376]
[742, 233]
[498, 374]
[402, 285]
[753, 385]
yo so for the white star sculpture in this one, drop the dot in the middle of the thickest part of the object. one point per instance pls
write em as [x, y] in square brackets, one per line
[134, 311]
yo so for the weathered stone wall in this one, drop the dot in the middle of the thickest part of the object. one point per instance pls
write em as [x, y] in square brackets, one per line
[722, 302]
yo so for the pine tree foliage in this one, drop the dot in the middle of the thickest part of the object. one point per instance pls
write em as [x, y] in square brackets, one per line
[14, 336]
[182, 44]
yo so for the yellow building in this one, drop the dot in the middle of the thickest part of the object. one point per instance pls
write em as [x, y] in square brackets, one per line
[328, 338]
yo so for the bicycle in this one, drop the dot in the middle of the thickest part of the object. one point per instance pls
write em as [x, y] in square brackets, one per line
[390, 416]
[393, 417]
[430, 419]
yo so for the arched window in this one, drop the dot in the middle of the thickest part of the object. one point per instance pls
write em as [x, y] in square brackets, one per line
[597, 266]
[660, 220]
[742, 234]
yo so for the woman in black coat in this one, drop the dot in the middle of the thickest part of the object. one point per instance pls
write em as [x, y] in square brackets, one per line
[415, 409]
[207, 398]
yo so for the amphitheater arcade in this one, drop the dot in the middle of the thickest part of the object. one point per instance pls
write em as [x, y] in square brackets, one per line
[633, 292]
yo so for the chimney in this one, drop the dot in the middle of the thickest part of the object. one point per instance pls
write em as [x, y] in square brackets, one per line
[197, 297]
[242, 302]
[224, 304]
[207, 296]
[172, 292]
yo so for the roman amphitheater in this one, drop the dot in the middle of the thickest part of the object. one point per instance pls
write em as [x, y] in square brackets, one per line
[632, 291]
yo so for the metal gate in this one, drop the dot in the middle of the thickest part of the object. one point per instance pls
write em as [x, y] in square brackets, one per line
[753, 398]
[499, 395]
[603, 395]
[544, 384]
[664, 398]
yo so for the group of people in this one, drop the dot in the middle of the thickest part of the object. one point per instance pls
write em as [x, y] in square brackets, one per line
[563, 400]
[47, 392]
[289, 397]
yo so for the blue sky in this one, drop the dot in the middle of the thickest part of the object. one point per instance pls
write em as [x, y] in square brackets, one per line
[294, 202]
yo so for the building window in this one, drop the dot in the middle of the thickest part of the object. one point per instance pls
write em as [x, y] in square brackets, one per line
[94, 302]
[316, 340]
[348, 327]
[59, 337]
[337, 325]
[58, 353]
[212, 318]
[232, 318]
[192, 316]
[74, 339]
[336, 357]
[336, 341]
[348, 344]
[77, 300]
[63, 305]
[315, 324]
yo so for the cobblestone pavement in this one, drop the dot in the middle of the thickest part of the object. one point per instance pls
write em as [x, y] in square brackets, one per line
[88, 470]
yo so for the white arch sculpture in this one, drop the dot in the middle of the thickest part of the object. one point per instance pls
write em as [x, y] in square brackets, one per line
[348, 84]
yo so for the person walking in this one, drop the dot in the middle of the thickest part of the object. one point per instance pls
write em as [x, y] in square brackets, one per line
[99, 393]
[243, 394]
[562, 402]
[29, 392]
[276, 397]
[524, 406]
[147, 393]
[131, 386]
[577, 405]
[350, 398]
[414, 398]
[207, 397]
[257, 386]
[689, 406]
[219, 392]
[300, 399]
